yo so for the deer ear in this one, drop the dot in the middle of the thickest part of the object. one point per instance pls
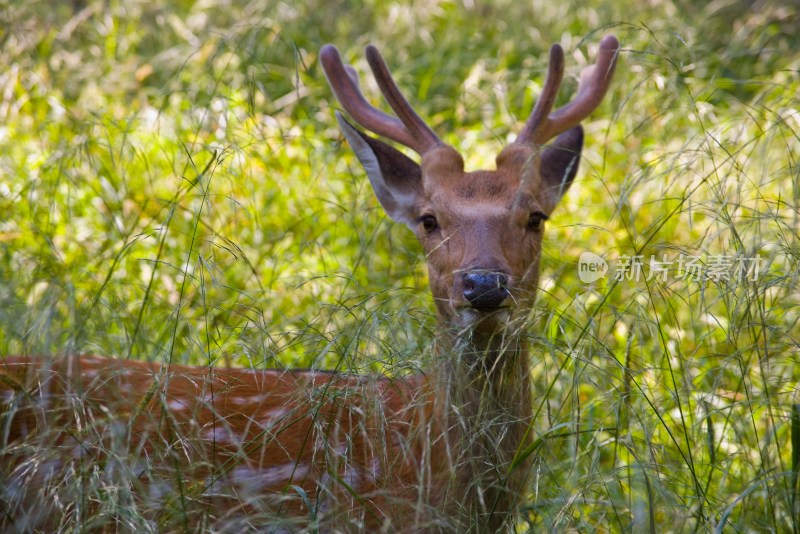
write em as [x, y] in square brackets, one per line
[396, 179]
[559, 164]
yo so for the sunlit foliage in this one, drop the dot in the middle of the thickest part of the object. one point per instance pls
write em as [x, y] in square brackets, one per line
[173, 187]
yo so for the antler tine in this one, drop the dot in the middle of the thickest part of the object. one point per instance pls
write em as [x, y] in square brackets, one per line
[555, 74]
[344, 84]
[408, 130]
[413, 122]
[593, 85]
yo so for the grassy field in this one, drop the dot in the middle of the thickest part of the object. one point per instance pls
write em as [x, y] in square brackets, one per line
[173, 187]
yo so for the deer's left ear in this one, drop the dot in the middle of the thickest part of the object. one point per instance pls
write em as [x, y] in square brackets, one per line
[396, 179]
[559, 164]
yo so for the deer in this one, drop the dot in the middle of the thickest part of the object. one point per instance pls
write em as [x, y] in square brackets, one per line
[445, 450]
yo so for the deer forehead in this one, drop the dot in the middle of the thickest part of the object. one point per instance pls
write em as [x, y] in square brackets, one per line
[466, 211]
[497, 186]
[479, 196]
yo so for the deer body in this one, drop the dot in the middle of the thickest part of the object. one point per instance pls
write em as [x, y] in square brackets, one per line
[444, 451]
[240, 438]
[238, 435]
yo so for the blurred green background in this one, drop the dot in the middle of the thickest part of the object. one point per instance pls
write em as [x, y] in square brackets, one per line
[173, 187]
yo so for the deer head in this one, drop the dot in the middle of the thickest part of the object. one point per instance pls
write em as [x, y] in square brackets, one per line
[481, 230]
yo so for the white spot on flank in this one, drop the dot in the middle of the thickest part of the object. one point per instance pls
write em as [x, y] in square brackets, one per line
[220, 434]
[159, 490]
[269, 417]
[49, 469]
[177, 405]
[89, 372]
[240, 400]
[254, 479]
[374, 469]
[352, 477]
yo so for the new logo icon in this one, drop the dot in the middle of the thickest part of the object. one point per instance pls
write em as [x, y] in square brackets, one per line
[591, 267]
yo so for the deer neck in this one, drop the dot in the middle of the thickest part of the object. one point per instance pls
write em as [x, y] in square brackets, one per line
[483, 409]
[486, 374]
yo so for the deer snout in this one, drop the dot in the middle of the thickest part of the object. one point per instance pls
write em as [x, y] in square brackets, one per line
[485, 290]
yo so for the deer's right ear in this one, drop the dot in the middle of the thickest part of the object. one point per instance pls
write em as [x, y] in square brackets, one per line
[396, 179]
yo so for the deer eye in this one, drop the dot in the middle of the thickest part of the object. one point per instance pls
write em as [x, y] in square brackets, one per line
[536, 221]
[428, 223]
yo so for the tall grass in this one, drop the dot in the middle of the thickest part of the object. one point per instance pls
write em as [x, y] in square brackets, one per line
[173, 188]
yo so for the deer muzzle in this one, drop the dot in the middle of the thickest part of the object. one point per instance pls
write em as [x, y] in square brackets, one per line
[485, 290]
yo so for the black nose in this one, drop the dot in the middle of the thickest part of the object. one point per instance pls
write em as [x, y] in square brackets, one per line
[485, 290]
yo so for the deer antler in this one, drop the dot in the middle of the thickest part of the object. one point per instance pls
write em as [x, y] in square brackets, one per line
[409, 130]
[595, 79]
